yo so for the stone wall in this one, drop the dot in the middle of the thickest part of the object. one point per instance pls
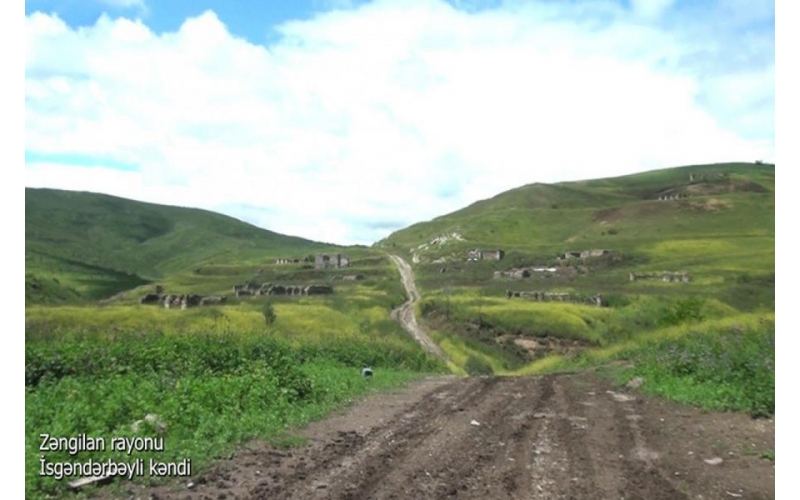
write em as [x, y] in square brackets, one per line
[595, 300]
[182, 301]
[668, 276]
[255, 289]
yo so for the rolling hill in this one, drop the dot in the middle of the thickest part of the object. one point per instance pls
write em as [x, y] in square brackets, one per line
[81, 245]
[717, 223]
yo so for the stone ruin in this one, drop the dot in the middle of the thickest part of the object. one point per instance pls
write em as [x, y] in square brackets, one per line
[322, 261]
[671, 196]
[594, 300]
[583, 254]
[477, 254]
[287, 261]
[252, 288]
[526, 272]
[183, 301]
[349, 277]
[668, 276]
[513, 273]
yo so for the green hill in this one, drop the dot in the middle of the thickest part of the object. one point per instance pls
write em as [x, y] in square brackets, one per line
[713, 225]
[553, 218]
[83, 245]
[726, 220]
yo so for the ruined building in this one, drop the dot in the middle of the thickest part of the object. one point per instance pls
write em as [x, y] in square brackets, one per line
[583, 254]
[668, 276]
[322, 261]
[476, 254]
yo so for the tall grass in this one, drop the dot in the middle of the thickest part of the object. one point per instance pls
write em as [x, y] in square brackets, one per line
[728, 369]
[212, 390]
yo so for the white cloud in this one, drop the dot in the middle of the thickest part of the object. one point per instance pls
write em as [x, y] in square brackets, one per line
[388, 112]
[651, 9]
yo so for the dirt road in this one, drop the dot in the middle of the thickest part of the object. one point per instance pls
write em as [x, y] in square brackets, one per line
[405, 313]
[553, 437]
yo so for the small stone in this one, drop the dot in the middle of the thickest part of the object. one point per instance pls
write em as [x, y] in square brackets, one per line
[475, 423]
[635, 383]
[190, 485]
[713, 461]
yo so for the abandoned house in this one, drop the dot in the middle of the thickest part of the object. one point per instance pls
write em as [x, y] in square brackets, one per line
[322, 261]
[476, 254]
[584, 254]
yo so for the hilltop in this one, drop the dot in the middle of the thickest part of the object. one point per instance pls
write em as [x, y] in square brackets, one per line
[81, 245]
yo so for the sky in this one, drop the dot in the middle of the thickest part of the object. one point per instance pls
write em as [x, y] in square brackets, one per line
[342, 121]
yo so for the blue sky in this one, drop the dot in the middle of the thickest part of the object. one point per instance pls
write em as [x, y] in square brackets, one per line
[360, 107]
[253, 20]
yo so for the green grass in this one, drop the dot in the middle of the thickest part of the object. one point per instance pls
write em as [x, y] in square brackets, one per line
[214, 391]
[731, 369]
[219, 375]
[722, 233]
[222, 375]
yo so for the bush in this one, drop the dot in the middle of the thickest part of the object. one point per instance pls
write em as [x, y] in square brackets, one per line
[732, 369]
[428, 307]
[683, 311]
[269, 313]
[477, 366]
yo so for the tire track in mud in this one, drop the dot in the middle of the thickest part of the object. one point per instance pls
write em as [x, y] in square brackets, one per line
[366, 459]
[644, 479]
[436, 470]
[551, 437]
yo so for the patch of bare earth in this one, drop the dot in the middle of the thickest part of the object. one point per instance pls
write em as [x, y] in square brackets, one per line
[553, 437]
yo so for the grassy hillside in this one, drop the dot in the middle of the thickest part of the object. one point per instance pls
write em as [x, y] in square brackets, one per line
[718, 226]
[90, 246]
[622, 212]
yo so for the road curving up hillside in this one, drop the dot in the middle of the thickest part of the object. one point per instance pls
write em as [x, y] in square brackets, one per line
[405, 313]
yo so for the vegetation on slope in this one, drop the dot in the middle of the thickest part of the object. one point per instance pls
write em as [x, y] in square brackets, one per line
[96, 245]
[217, 375]
[720, 229]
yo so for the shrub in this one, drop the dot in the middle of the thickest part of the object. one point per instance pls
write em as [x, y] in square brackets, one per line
[683, 311]
[428, 307]
[269, 313]
[477, 366]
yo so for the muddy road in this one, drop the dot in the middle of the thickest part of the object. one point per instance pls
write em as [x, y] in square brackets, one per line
[551, 437]
[405, 313]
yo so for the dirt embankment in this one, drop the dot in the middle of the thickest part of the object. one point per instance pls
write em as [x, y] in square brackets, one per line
[552, 437]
